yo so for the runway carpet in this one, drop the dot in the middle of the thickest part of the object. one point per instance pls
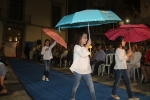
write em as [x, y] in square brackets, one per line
[60, 84]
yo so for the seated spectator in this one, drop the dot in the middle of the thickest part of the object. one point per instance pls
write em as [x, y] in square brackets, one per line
[112, 67]
[98, 59]
[3, 71]
[109, 50]
[55, 54]
[134, 60]
[3, 58]
[63, 56]
[70, 55]
[146, 68]
[3, 89]
[94, 50]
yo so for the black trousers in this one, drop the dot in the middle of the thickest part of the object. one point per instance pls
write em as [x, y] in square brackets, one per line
[1, 88]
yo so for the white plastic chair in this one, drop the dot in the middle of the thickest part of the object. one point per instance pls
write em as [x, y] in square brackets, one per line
[142, 77]
[108, 61]
[64, 65]
[101, 69]
[93, 67]
[135, 69]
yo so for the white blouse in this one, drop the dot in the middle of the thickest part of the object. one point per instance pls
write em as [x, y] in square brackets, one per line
[47, 55]
[81, 61]
[121, 58]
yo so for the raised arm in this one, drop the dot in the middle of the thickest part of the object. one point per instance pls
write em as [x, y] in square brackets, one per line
[53, 44]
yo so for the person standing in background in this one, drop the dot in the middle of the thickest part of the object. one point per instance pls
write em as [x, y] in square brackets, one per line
[47, 56]
[27, 51]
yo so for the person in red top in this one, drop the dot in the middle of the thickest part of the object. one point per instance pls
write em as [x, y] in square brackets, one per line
[146, 68]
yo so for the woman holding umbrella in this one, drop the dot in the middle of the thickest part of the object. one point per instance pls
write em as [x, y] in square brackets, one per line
[47, 56]
[81, 65]
[121, 68]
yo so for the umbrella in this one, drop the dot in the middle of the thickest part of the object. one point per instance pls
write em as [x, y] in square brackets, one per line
[131, 32]
[56, 37]
[87, 18]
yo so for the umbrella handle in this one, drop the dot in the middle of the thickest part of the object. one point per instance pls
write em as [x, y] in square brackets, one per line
[59, 29]
[89, 37]
[88, 30]
[129, 45]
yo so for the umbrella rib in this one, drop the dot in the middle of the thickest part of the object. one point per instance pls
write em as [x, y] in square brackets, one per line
[140, 34]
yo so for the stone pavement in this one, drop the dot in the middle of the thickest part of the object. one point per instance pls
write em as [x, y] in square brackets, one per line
[21, 94]
[13, 83]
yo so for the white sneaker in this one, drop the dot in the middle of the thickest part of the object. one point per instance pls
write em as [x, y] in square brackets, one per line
[43, 78]
[47, 79]
[115, 97]
[134, 98]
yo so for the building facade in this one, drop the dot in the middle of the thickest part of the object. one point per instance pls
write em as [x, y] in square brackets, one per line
[144, 13]
[22, 21]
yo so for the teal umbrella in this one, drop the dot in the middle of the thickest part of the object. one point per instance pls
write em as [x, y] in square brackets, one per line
[88, 18]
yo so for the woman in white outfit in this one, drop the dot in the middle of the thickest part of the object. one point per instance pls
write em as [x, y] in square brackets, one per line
[81, 65]
[121, 68]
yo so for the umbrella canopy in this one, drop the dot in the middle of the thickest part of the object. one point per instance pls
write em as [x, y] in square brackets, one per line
[131, 32]
[56, 37]
[85, 17]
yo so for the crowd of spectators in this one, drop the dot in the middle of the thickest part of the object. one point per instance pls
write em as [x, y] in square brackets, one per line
[140, 59]
[98, 56]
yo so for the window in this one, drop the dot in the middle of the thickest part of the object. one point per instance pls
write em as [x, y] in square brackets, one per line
[56, 15]
[16, 9]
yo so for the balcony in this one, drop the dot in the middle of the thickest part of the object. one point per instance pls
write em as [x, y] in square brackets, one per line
[5, 15]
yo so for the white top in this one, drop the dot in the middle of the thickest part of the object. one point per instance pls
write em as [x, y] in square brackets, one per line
[81, 61]
[47, 55]
[136, 59]
[121, 58]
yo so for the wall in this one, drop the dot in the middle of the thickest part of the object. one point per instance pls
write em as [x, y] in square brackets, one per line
[39, 11]
[145, 12]
[1, 31]
[40, 18]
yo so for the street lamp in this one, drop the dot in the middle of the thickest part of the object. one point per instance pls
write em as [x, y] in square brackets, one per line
[127, 20]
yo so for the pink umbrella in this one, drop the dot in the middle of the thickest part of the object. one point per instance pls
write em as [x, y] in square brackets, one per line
[131, 32]
[56, 37]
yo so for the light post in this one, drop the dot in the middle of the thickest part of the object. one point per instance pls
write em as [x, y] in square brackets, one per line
[127, 21]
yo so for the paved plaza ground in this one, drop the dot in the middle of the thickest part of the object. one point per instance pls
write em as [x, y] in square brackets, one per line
[21, 94]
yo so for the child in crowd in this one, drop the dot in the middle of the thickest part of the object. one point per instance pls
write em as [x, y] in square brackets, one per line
[47, 56]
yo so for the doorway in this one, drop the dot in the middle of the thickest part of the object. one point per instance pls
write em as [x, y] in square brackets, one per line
[13, 39]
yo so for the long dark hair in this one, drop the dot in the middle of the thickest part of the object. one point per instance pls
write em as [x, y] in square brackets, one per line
[77, 38]
[118, 42]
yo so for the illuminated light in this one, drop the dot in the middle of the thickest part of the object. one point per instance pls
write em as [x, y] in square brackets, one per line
[90, 46]
[9, 28]
[15, 39]
[127, 20]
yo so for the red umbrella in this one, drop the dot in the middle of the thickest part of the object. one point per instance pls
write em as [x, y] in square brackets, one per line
[131, 32]
[56, 37]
